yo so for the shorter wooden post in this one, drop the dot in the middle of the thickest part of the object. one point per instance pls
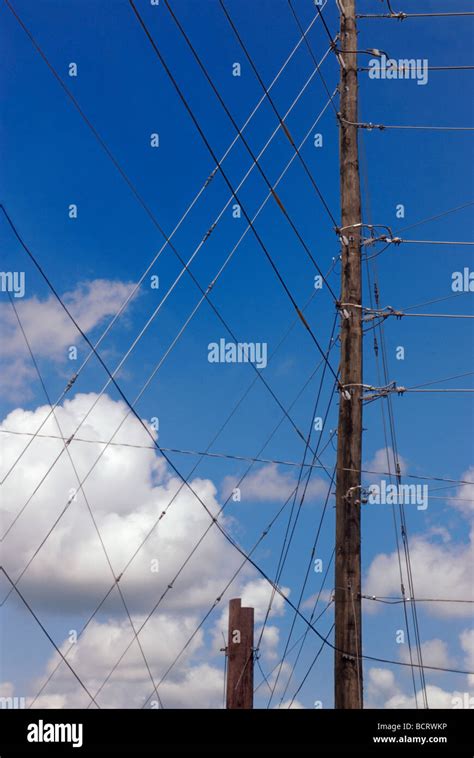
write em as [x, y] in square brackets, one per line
[240, 656]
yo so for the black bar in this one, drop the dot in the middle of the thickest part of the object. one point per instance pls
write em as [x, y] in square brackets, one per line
[294, 732]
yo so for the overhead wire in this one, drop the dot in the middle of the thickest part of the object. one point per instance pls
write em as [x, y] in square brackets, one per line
[171, 464]
[46, 633]
[127, 179]
[310, 49]
[286, 415]
[138, 549]
[229, 456]
[175, 660]
[227, 181]
[285, 547]
[369, 126]
[248, 558]
[394, 600]
[310, 469]
[172, 287]
[272, 103]
[112, 376]
[243, 139]
[311, 665]
[287, 600]
[312, 619]
[401, 16]
[399, 240]
[305, 579]
[383, 414]
[403, 523]
[432, 68]
[294, 645]
[86, 500]
[438, 216]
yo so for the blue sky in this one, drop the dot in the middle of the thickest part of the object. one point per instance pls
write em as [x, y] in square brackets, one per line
[50, 160]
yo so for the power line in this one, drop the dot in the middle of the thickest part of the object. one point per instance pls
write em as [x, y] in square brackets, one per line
[402, 16]
[285, 548]
[86, 500]
[131, 409]
[75, 376]
[129, 183]
[327, 30]
[208, 613]
[252, 562]
[445, 379]
[227, 181]
[374, 393]
[438, 216]
[394, 600]
[307, 622]
[401, 314]
[138, 549]
[381, 363]
[384, 313]
[259, 375]
[229, 456]
[431, 68]
[314, 620]
[170, 586]
[159, 306]
[305, 580]
[271, 101]
[310, 668]
[310, 49]
[302, 465]
[212, 284]
[292, 647]
[399, 241]
[235, 125]
[402, 390]
[248, 558]
[310, 625]
[381, 127]
[121, 171]
[46, 633]
[436, 300]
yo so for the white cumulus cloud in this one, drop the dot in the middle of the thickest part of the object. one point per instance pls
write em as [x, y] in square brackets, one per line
[441, 571]
[49, 329]
[128, 491]
[270, 484]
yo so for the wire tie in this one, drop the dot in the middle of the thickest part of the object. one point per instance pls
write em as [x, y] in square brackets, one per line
[71, 382]
[303, 319]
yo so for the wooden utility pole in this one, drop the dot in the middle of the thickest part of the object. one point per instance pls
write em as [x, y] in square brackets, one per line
[240, 656]
[348, 635]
